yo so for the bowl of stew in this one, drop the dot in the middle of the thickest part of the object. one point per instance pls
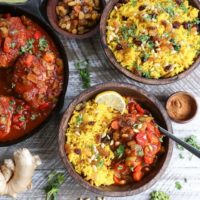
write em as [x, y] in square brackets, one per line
[75, 19]
[33, 75]
[147, 41]
[112, 152]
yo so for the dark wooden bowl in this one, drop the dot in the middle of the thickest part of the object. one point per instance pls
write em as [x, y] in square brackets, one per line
[193, 103]
[53, 19]
[111, 57]
[147, 101]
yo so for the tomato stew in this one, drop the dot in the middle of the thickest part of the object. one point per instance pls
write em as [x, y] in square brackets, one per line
[136, 143]
[31, 76]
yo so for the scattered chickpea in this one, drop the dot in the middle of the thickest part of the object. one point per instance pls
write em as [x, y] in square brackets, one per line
[78, 16]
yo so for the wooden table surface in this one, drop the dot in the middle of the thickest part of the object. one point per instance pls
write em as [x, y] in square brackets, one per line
[45, 142]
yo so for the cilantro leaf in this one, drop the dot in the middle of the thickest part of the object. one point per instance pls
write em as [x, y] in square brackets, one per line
[178, 185]
[159, 195]
[27, 47]
[120, 150]
[79, 120]
[43, 44]
[55, 180]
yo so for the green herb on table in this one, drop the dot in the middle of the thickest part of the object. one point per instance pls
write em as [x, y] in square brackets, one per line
[179, 147]
[159, 195]
[43, 44]
[27, 47]
[192, 140]
[83, 68]
[178, 185]
[181, 156]
[120, 150]
[55, 180]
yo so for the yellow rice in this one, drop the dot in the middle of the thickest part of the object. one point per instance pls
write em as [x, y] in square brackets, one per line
[81, 134]
[131, 55]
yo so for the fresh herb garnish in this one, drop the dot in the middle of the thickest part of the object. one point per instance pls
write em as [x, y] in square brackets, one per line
[159, 195]
[100, 163]
[133, 2]
[144, 38]
[178, 185]
[161, 138]
[184, 8]
[83, 68]
[11, 102]
[192, 140]
[128, 31]
[181, 156]
[13, 45]
[170, 11]
[27, 47]
[176, 46]
[120, 150]
[43, 44]
[22, 118]
[79, 120]
[145, 57]
[151, 44]
[146, 74]
[179, 147]
[196, 21]
[55, 180]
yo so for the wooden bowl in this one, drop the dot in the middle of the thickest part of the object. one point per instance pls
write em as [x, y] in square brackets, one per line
[53, 19]
[147, 101]
[193, 104]
[103, 23]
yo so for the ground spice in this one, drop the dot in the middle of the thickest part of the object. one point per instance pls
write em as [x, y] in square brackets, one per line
[181, 106]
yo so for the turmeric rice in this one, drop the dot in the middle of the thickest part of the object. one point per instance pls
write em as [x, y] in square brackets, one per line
[154, 38]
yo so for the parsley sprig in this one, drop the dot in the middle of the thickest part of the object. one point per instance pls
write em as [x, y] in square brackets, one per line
[83, 68]
[55, 180]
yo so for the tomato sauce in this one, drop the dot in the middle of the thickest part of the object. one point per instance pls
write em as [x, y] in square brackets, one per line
[23, 40]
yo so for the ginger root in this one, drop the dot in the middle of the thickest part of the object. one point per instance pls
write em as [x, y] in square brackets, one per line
[16, 176]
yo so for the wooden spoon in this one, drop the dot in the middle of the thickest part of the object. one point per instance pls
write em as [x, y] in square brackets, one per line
[190, 148]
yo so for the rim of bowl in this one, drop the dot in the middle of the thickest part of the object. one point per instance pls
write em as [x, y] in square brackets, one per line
[62, 128]
[106, 13]
[195, 112]
[51, 14]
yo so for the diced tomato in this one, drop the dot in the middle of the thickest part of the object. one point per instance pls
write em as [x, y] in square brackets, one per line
[157, 132]
[37, 35]
[44, 106]
[141, 139]
[148, 160]
[139, 109]
[7, 44]
[137, 176]
[152, 138]
[138, 168]
[119, 181]
[29, 60]
[115, 125]
[150, 127]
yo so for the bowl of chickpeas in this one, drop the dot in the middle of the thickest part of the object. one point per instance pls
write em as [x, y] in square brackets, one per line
[75, 19]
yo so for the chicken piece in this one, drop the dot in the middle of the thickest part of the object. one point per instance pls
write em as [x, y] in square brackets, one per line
[12, 38]
[37, 81]
[7, 107]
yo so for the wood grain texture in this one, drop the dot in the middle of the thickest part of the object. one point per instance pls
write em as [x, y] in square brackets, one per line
[45, 142]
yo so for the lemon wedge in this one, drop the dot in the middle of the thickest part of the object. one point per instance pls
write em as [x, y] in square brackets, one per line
[111, 99]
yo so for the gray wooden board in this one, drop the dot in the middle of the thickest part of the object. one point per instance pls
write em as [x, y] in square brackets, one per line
[45, 142]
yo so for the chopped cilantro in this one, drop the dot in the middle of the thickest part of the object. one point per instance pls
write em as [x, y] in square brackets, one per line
[133, 2]
[13, 45]
[146, 74]
[179, 147]
[11, 102]
[151, 44]
[192, 140]
[83, 67]
[100, 163]
[144, 38]
[170, 11]
[127, 31]
[196, 21]
[184, 8]
[55, 180]
[178, 185]
[159, 195]
[27, 47]
[145, 57]
[43, 44]
[181, 156]
[161, 138]
[22, 118]
[176, 46]
[79, 120]
[120, 150]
